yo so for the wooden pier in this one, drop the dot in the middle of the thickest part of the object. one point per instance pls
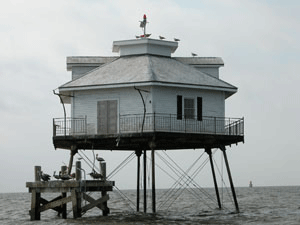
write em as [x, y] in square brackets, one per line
[77, 188]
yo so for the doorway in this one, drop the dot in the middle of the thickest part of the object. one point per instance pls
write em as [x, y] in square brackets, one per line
[107, 117]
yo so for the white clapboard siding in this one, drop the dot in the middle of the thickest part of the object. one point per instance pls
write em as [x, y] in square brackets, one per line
[129, 102]
[165, 100]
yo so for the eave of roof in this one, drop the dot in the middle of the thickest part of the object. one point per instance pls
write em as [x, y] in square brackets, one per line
[147, 70]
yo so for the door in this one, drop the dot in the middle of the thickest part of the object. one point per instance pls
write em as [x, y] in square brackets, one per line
[107, 117]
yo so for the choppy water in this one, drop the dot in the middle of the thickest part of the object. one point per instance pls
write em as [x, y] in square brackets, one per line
[258, 205]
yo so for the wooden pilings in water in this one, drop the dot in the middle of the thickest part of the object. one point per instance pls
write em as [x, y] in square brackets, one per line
[77, 188]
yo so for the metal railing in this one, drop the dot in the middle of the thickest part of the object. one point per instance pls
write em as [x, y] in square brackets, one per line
[171, 123]
[69, 126]
[154, 122]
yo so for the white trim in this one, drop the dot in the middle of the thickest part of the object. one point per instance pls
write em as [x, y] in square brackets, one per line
[203, 87]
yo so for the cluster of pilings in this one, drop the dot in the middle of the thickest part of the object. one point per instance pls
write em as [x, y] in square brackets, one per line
[77, 188]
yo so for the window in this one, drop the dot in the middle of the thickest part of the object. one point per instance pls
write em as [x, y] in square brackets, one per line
[189, 108]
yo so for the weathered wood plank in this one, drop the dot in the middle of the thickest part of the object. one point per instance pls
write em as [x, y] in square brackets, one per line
[64, 207]
[91, 200]
[56, 203]
[35, 203]
[95, 203]
[76, 203]
[57, 208]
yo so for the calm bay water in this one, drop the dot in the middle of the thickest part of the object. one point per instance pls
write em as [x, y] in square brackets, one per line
[258, 205]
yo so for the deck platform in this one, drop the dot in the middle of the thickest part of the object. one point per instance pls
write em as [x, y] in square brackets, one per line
[78, 190]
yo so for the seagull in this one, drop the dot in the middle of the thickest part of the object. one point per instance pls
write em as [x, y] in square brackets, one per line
[194, 54]
[100, 159]
[56, 176]
[176, 39]
[137, 37]
[96, 175]
[44, 176]
[64, 176]
[161, 37]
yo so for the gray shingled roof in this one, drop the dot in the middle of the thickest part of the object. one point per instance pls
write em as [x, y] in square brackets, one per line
[147, 69]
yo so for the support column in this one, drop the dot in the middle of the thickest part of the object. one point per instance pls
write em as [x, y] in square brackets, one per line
[145, 181]
[64, 206]
[36, 196]
[106, 210]
[153, 181]
[230, 179]
[138, 154]
[208, 151]
[72, 153]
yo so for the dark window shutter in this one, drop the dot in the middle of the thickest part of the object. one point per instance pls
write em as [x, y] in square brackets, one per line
[179, 107]
[199, 108]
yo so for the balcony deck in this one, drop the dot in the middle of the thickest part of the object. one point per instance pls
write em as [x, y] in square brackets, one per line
[156, 131]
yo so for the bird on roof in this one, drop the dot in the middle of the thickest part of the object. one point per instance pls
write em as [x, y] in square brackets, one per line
[194, 54]
[146, 35]
[161, 37]
[44, 176]
[100, 159]
[137, 37]
[176, 39]
[95, 175]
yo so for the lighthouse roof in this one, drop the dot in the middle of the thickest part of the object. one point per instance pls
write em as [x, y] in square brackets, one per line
[145, 70]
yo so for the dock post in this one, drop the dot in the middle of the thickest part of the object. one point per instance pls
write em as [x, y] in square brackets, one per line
[64, 194]
[230, 179]
[79, 193]
[78, 171]
[208, 151]
[145, 181]
[36, 197]
[105, 211]
[138, 154]
[153, 181]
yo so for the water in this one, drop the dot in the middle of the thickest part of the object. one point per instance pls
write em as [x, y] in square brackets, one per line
[258, 205]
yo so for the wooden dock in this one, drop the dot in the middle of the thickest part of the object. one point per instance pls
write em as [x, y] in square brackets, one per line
[70, 191]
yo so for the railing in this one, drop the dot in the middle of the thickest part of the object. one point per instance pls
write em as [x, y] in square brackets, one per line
[69, 126]
[154, 123]
[171, 123]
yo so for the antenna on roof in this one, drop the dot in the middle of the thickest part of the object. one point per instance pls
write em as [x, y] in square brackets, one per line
[143, 24]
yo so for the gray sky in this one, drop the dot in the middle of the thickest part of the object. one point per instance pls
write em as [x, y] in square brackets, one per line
[258, 41]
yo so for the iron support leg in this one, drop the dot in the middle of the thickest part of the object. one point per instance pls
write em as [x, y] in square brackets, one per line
[153, 182]
[138, 154]
[145, 181]
[230, 180]
[208, 151]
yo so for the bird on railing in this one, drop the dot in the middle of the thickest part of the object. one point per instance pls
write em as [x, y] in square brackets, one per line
[64, 176]
[95, 175]
[100, 159]
[44, 176]
[56, 176]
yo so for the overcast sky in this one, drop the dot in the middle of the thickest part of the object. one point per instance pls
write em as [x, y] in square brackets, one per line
[258, 41]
